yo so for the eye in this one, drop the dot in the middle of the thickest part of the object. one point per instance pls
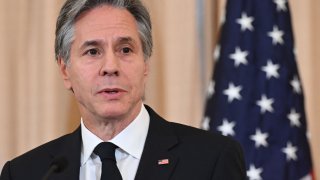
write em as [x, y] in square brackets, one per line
[92, 52]
[126, 50]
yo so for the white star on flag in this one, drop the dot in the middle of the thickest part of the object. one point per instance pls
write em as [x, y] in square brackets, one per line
[281, 5]
[307, 177]
[223, 17]
[276, 35]
[206, 123]
[239, 57]
[295, 51]
[245, 22]
[227, 128]
[233, 92]
[260, 138]
[308, 134]
[295, 83]
[294, 118]
[290, 151]
[216, 54]
[210, 90]
[265, 104]
[254, 173]
[271, 69]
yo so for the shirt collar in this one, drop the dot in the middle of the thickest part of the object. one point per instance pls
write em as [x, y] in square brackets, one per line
[131, 140]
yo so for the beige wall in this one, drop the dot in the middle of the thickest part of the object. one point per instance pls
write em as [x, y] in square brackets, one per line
[306, 24]
[32, 105]
[35, 108]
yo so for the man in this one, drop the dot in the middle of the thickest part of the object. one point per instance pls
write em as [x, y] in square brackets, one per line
[102, 49]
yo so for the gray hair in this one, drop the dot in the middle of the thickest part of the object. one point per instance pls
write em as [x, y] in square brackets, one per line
[74, 8]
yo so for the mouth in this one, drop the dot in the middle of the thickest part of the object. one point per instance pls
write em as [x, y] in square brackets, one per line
[111, 91]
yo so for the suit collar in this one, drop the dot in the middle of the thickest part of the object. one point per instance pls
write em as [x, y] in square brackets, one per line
[160, 140]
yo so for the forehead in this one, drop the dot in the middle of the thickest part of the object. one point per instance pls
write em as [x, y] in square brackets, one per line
[106, 21]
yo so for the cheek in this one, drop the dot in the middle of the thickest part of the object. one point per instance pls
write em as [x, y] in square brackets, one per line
[142, 82]
[81, 79]
[137, 78]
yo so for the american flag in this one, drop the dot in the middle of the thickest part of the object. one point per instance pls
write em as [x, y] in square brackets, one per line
[163, 161]
[255, 94]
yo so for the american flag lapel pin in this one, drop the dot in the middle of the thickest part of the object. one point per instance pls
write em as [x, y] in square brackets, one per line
[163, 161]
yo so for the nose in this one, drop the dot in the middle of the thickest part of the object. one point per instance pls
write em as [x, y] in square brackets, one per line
[110, 65]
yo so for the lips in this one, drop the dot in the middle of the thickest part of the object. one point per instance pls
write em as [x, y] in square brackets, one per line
[111, 90]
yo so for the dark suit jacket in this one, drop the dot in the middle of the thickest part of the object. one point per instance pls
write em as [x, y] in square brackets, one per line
[193, 155]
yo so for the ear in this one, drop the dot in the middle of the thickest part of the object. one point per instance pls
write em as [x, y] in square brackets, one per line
[64, 73]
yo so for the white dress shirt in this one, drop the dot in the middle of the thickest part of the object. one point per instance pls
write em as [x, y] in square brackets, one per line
[130, 142]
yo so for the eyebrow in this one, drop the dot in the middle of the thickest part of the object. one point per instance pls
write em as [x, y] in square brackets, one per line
[126, 40]
[91, 43]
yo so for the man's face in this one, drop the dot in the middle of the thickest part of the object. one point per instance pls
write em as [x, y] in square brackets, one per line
[107, 71]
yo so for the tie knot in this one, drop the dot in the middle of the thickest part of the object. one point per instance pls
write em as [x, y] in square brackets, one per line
[105, 150]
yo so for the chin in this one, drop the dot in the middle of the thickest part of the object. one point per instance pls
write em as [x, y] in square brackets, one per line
[117, 110]
[113, 112]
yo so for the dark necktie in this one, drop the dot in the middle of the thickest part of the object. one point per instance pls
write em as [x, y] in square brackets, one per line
[106, 152]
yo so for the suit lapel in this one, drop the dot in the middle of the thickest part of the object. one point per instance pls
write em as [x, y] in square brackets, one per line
[157, 161]
[70, 149]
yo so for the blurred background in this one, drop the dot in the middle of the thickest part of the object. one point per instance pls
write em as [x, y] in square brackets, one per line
[35, 107]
